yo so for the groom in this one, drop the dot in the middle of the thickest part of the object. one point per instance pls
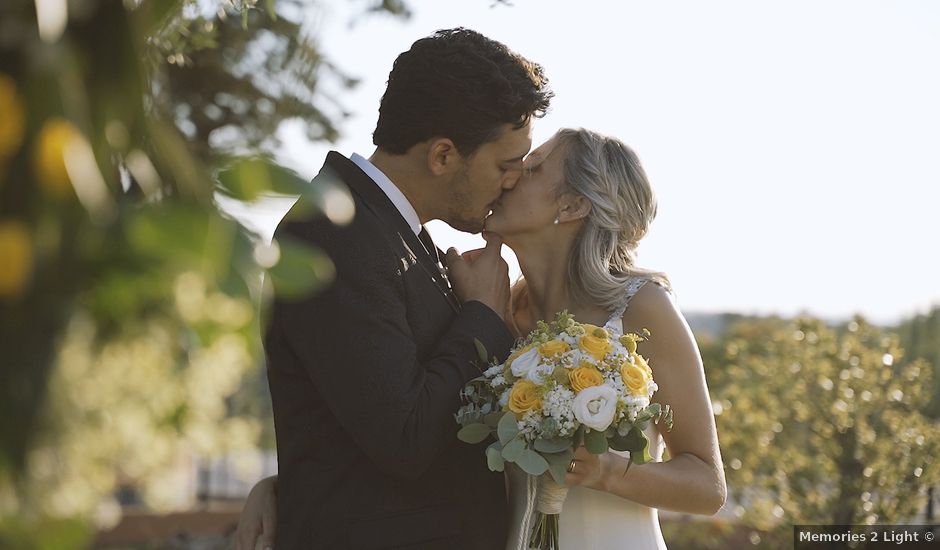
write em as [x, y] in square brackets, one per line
[365, 374]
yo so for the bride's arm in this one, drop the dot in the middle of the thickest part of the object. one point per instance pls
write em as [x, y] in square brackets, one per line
[693, 480]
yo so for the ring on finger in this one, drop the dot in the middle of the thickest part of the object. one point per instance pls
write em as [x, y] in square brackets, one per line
[571, 466]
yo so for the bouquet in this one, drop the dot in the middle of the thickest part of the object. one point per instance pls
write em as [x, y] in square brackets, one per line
[564, 385]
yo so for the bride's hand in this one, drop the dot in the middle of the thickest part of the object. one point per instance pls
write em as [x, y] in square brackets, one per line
[258, 520]
[589, 470]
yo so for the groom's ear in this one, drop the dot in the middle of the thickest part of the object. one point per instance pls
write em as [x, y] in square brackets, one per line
[442, 156]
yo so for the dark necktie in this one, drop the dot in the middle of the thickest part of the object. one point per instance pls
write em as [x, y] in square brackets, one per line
[425, 239]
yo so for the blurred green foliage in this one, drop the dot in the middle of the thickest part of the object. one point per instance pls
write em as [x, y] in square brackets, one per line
[920, 338]
[128, 298]
[821, 424]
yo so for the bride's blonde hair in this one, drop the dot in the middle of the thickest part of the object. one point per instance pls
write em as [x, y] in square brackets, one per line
[607, 173]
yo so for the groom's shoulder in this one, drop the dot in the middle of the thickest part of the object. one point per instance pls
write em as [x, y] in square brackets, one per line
[359, 233]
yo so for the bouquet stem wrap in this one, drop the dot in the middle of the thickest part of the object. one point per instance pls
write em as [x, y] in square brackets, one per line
[548, 504]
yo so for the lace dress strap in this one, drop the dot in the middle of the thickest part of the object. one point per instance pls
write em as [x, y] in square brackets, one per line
[633, 287]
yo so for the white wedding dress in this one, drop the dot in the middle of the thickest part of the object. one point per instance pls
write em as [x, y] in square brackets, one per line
[592, 520]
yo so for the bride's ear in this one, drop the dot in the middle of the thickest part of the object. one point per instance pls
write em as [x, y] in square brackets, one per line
[573, 208]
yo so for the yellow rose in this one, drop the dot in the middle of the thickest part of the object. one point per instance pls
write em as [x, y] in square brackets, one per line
[595, 342]
[553, 347]
[594, 330]
[524, 397]
[641, 361]
[12, 117]
[17, 253]
[49, 156]
[585, 376]
[629, 342]
[635, 378]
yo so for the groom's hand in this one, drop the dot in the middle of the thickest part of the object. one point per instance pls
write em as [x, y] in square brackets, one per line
[481, 275]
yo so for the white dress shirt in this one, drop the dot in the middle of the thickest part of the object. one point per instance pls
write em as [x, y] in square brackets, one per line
[392, 191]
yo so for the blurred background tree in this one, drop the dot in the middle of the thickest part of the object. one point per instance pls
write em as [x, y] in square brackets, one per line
[128, 298]
[920, 338]
[821, 425]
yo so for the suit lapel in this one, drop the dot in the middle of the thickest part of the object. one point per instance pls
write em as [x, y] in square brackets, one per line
[382, 206]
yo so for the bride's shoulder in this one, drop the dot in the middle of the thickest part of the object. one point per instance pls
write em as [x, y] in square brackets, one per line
[650, 295]
[651, 304]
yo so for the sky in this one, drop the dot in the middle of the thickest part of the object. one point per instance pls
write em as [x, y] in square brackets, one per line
[794, 146]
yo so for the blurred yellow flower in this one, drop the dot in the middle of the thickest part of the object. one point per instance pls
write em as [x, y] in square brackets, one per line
[629, 341]
[16, 258]
[524, 397]
[12, 118]
[635, 378]
[595, 342]
[594, 330]
[553, 347]
[641, 362]
[49, 156]
[585, 376]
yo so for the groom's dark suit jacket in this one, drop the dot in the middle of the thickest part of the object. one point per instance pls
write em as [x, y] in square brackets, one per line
[364, 379]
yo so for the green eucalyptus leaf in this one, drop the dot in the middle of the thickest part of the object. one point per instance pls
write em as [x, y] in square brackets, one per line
[507, 429]
[642, 456]
[474, 433]
[633, 441]
[514, 449]
[494, 457]
[595, 441]
[532, 463]
[578, 438]
[492, 419]
[558, 464]
[556, 445]
[481, 350]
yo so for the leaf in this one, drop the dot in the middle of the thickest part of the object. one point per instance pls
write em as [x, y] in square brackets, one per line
[269, 7]
[558, 464]
[643, 455]
[300, 270]
[578, 438]
[474, 433]
[595, 442]
[481, 350]
[532, 463]
[514, 450]
[494, 457]
[556, 445]
[492, 419]
[247, 179]
[507, 429]
[634, 440]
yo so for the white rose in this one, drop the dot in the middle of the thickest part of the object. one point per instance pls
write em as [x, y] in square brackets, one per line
[528, 361]
[539, 373]
[595, 406]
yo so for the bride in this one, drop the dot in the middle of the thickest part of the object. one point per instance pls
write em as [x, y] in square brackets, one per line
[574, 220]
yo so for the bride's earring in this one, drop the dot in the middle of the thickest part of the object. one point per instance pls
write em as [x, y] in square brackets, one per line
[556, 221]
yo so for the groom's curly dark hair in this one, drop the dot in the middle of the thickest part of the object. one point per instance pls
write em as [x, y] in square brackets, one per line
[460, 85]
